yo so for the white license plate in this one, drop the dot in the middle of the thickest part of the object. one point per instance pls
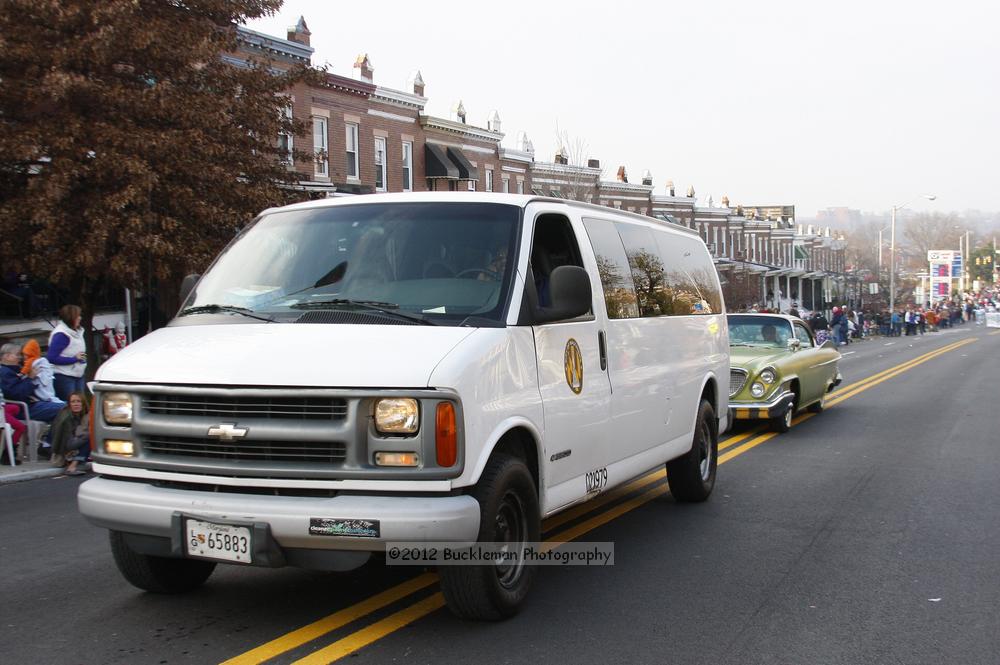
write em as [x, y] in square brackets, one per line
[225, 542]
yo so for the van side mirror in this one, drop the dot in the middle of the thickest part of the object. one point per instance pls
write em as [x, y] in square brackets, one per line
[187, 286]
[569, 293]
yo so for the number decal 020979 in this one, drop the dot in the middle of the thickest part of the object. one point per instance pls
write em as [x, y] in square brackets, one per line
[597, 480]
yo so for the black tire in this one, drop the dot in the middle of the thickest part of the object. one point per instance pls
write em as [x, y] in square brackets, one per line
[506, 494]
[692, 477]
[817, 407]
[158, 574]
[783, 423]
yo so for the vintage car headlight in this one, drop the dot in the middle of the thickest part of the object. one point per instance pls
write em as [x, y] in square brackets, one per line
[768, 376]
[757, 389]
[397, 416]
[117, 408]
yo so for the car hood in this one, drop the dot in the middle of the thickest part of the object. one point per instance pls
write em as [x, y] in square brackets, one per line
[278, 354]
[753, 358]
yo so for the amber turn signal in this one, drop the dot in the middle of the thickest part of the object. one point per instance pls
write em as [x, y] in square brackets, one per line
[446, 434]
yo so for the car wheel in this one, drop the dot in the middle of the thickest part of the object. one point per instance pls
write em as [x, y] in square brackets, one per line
[509, 514]
[692, 476]
[783, 423]
[817, 407]
[158, 574]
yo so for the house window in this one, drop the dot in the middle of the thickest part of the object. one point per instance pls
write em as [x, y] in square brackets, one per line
[472, 185]
[379, 164]
[407, 166]
[520, 187]
[489, 180]
[506, 185]
[285, 140]
[320, 146]
[351, 136]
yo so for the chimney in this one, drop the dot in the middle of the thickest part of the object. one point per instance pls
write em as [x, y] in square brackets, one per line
[690, 192]
[560, 157]
[798, 231]
[827, 234]
[299, 32]
[593, 163]
[458, 112]
[725, 201]
[622, 176]
[493, 124]
[670, 187]
[417, 83]
[363, 69]
[647, 178]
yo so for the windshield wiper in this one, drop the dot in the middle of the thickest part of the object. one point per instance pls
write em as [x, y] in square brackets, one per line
[232, 309]
[388, 308]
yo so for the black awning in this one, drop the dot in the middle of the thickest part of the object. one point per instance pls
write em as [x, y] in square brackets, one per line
[466, 171]
[437, 164]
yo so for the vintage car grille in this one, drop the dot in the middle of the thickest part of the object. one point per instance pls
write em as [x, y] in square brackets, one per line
[737, 377]
[237, 408]
[249, 450]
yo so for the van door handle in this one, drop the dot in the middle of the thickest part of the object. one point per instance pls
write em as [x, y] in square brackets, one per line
[602, 345]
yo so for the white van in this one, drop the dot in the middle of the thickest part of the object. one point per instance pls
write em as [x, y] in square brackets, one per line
[409, 367]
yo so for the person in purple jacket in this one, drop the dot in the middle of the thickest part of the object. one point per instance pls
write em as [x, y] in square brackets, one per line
[68, 352]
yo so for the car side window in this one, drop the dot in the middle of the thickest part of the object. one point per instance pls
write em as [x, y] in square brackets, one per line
[803, 335]
[554, 245]
[614, 269]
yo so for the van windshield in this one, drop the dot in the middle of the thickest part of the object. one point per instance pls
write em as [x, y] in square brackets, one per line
[438, 263]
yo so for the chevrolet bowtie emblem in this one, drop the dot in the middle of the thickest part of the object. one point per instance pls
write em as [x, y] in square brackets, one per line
[227, 431]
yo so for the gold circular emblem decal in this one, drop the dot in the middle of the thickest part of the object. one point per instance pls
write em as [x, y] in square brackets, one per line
[574, 366]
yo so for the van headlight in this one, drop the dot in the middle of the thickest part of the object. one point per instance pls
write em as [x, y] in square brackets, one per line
[397, 416]
[117, 408]
[757, 389]
[768, 376]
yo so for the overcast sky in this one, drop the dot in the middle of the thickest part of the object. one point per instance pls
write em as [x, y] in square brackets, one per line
[859, 104]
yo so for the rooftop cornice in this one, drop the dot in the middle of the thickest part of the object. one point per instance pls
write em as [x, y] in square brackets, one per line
[349, 85]
[616, 186]
[400, 98]
[455, 127]
[273, 44]
[517, 155]
[664, 198]
[573, 169]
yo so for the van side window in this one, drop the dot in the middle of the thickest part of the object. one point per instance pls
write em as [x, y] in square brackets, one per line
[648, 274]
[613, 267]
[691, 279]
[554, 245]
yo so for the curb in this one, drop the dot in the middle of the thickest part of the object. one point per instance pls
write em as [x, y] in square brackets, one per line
[7, 479]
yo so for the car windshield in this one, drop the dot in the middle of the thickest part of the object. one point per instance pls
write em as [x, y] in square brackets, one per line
[437, 262]
[762, 331]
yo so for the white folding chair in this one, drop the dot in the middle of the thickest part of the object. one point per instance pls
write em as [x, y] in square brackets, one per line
[8, 439]
[36, 430]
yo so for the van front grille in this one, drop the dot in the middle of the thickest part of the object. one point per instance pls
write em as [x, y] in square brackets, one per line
[241, 408]
[247, 450]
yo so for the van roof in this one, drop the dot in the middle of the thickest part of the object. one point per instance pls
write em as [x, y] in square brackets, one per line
[520, 200]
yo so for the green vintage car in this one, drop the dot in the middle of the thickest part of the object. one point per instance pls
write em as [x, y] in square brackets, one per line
[776, 369]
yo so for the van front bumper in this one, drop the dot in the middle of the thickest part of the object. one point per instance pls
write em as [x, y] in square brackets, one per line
[772, 408]
[148, 510]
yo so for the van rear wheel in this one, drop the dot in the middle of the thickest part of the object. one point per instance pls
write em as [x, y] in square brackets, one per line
[158, 574]
[509, 515]
[692, 477]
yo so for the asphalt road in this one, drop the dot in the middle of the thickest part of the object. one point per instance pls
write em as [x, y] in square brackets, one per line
[867, 534]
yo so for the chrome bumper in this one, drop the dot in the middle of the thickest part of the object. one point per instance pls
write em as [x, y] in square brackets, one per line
[773, 408]
[142, 508]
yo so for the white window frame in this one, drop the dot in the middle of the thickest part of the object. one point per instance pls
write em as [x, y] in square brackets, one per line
[351, 131]
[505, 184]
[489, 180]
[380, 165]
[472, 185]
[289, 157]
[520, 187]
[407, 166]
[321, 131]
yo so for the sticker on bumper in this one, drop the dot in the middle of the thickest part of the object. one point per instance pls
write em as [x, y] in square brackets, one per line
[328, 526]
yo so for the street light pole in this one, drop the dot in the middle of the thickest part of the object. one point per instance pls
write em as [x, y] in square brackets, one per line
[892, 258]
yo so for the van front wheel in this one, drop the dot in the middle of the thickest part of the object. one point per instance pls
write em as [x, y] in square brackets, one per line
[509, 515]
[158, 574]
[692, 477]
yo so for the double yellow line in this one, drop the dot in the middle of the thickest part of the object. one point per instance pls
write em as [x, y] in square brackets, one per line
[376, 631]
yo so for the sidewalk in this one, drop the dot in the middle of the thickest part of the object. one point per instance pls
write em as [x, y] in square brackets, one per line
[28, 471]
